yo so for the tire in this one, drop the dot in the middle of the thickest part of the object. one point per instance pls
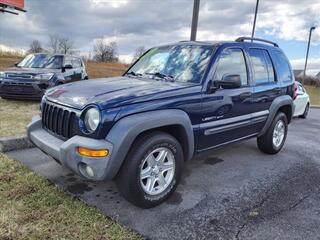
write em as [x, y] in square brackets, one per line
[129, 181]
[306, 111]
[266, 142]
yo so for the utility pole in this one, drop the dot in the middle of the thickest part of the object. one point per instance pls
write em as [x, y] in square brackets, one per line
[195, 16]
[255, 19]
[307, 55]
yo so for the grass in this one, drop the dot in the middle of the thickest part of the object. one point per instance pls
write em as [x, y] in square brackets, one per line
[8, 61]
[15, 115]
[33, 208]
[314, 93]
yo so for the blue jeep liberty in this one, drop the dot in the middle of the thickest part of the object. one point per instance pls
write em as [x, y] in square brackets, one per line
[173, 103]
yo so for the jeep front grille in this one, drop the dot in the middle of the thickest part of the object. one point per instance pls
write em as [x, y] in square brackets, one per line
[58, 120]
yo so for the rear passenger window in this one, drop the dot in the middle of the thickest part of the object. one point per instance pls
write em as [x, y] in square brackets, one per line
[263, 71]
[270, 67]
[231, 61]
[283, 68]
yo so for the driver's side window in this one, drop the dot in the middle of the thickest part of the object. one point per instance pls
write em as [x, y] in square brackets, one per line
[231, 62]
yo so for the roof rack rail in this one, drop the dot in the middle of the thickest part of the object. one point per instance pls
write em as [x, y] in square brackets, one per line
[242, 39]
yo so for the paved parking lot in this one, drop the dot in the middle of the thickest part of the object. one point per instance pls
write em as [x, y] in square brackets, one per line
[235, 193]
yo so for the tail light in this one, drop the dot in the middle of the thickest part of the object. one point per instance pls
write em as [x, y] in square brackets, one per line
[295, 90]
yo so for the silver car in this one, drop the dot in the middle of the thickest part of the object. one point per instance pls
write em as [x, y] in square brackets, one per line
[37, 72]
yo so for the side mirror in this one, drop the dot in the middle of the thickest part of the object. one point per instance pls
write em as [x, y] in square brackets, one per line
[16, 64]
[229, 81]
[68, 66]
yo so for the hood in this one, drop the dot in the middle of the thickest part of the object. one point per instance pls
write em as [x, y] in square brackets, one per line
[112, 92]
[31, 71]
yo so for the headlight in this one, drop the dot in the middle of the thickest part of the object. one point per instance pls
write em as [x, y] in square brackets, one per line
[92, 119]
[44, 76]
[2, 75]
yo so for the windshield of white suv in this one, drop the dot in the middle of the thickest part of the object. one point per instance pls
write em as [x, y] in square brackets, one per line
[185, 63]
[41, 61]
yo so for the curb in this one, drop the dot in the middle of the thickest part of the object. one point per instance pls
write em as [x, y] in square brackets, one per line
[14, 143]
[315, 106]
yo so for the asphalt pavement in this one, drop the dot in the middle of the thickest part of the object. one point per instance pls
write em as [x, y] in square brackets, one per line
[236, 192]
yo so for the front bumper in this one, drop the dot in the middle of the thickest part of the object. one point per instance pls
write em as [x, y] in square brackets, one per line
[22, 90]
[66, 153]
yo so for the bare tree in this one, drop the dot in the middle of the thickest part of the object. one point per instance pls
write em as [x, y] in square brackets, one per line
[54, 43]
[138, 53]
[104, 52]
[35, 47]
[65, 45]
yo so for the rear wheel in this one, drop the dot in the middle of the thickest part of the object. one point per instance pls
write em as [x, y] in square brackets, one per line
[273, 140]
[306, 111]
[151, 170]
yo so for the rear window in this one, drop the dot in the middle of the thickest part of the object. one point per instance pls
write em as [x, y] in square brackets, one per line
[261, 67]
[283, 68]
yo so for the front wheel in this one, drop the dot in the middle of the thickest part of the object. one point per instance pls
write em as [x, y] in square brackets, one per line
[152, 170]
[273, 140]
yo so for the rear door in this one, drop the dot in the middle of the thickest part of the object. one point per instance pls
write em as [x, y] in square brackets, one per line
[227, 112]
[266, 87]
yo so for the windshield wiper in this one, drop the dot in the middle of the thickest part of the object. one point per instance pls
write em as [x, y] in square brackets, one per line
[162, 76]
[134, 74]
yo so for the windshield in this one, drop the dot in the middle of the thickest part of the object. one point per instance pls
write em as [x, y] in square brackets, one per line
[178, 63]
[41, 61]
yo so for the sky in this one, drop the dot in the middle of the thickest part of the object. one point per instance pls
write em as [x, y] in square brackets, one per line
[135, 23]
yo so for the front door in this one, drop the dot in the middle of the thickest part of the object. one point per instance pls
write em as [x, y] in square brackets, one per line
[77, 67]
[69, 73]
[227, 112]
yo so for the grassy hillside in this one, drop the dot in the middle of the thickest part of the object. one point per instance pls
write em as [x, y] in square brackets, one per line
[98, 70]
[8, 61]
[314, 93]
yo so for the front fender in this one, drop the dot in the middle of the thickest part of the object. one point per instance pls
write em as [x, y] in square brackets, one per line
[127, 129]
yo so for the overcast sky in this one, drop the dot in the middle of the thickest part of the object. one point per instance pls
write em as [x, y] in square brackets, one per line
[134, 23]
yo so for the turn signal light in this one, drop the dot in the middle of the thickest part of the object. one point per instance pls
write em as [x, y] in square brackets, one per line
[93, 153]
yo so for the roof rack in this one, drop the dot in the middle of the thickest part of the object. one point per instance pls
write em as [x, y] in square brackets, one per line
[242, 39]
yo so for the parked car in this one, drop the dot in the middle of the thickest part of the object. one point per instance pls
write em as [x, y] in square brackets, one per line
[301, 102]
[175, 102]
[36, 72]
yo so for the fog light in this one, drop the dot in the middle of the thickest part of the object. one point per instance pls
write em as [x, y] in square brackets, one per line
[92, 153]
[89, 171]
[86, 170]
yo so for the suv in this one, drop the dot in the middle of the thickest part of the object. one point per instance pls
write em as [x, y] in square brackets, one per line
[173, 103]
[36, 72]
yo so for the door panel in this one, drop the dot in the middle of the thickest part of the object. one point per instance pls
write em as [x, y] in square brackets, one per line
[227, 116]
